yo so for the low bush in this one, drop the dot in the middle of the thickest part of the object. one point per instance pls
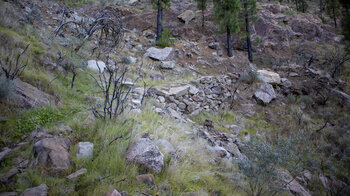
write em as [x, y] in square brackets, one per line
[166, 39]
[249, 77]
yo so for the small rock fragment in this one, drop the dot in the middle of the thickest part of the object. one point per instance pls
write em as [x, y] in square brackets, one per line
[76, 174]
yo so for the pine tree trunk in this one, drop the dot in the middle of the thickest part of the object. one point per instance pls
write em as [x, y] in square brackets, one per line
[203, 18]
[334, 18]
[249, 44]
[321, 7]
[203, 13]
[229, 48]
[296, 4]
[159, 21]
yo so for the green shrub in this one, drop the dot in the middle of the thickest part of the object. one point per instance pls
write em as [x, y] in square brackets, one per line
[257, 41]
[324, 21]
[166, 39]
[290, 13]
[262, 168]
[33, 119]
[125, 60]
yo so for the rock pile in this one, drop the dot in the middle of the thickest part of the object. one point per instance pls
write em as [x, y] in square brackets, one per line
[207, 93]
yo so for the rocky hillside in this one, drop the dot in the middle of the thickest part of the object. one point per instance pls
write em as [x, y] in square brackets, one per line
[91, 104]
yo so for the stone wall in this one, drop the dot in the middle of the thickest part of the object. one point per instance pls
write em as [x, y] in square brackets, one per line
[209, 94]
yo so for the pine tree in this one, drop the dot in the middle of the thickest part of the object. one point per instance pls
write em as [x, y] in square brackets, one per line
[333, 10]
[226, 13]
[202, 5]
[160, 5]
[249, 10]
[301, 5]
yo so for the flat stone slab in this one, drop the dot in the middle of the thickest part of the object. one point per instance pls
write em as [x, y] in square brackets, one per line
[159, 54]
[76, 174]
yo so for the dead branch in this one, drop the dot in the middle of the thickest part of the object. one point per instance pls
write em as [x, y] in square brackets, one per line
[107, 24]
[115, 139]
[13, 71]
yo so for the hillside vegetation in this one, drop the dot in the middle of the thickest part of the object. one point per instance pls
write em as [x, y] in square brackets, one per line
[174, 97]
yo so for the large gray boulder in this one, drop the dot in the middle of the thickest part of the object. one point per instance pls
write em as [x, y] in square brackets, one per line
[53, 152]
[145, 152]
[265, 94]
[269, 77]
[293, 185]
[36, 191]
[187, 16]
[159, 54]
[25, 95]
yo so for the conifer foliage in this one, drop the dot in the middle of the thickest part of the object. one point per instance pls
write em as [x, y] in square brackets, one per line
[226, 13]
[333, 10]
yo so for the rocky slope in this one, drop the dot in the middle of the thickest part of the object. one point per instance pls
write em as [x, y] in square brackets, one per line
[206, 124]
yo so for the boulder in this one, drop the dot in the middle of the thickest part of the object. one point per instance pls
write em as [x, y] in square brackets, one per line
[159, 54]
[27, 96]
[36, 191]
[95, 65]
[5, 151]
[85, 149]
[269, 77]
[293, 186]
[147, 179]
[167, 64]
[53, 152]
[76, 174]
[265, 94]
[187, 16]
[113, 193]
[145, 152]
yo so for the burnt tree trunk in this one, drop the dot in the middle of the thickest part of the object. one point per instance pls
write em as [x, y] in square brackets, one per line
[73, 79]
[249, 44]
[229, 48]
[159, 21]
